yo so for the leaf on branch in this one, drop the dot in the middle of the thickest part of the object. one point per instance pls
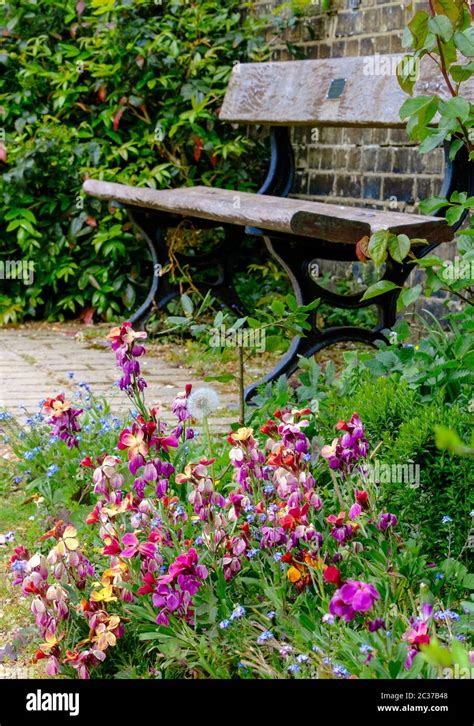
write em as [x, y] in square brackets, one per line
[379, 288]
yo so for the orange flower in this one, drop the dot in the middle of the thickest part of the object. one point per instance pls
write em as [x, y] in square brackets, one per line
[293, 574]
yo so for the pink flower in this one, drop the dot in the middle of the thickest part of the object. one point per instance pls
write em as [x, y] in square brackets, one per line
[354, 511]
[415, 636]
[134, 441]
[52, 666]
[133, 546]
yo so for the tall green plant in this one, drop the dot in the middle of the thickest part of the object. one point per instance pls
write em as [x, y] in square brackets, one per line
[124, 90]
[444, 34]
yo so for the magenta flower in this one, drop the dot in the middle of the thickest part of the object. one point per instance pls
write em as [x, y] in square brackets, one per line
[354, 511]
[415, 636]
[353, 597]
[133, 546]
[174, 591]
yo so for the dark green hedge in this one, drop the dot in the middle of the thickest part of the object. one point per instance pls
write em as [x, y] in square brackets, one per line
[125, 90]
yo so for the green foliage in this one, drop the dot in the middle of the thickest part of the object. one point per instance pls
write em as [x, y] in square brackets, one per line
[446, 36]
[123, 91]
[442, 362]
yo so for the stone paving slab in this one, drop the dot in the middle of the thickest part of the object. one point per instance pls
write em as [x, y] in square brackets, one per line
[35, 364]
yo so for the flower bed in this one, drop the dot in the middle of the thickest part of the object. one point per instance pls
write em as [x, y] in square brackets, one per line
[265, 555]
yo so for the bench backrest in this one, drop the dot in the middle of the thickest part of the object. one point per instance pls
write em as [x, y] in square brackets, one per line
[355, 91]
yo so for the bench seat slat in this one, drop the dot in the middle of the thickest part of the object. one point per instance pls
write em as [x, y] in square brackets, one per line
[298, 92]
[330, 222]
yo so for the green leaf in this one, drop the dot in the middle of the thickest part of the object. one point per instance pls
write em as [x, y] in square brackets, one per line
[434, 138]
[399, 246]
[187, 305]
[418, 27]
[455, 108]
[406, 73]
[461, 73]
[414, 105]
[379, 288]
[377, 247]
[451, 8]
[432, 204]
[454, 214]
[465, 42]
[455, 146]
[278, 308]
[408, 296]
[442, 26]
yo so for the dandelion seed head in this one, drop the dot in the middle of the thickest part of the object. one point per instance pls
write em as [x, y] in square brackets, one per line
[202, 402]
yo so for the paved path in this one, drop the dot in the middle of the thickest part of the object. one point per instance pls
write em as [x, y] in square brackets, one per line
[35, 364]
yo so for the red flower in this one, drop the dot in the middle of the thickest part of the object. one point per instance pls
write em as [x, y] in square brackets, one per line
[362, 498]
[149, 584]
[333, 575]
[269, 428]
[93, 517]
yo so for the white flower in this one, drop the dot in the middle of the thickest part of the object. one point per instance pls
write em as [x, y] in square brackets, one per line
[202, 402]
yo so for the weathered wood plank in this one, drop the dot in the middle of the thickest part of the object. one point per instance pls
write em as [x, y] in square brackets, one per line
[295, 93]
[331, 222]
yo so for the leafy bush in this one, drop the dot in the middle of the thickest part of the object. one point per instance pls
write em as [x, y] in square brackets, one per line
[405, 425]
[122, 90]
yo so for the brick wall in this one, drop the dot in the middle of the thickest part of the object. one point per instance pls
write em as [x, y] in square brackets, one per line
[373, 167]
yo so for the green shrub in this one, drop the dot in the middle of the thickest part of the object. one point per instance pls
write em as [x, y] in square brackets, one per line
[122, 90]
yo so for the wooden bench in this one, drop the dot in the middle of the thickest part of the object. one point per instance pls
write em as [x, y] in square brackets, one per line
[329, 92]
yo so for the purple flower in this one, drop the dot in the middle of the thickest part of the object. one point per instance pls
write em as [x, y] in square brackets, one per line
[376, 624]
[343, 453]
[180, 404]
[272, 537]
[127, 350]
[353, 597]
[63, 419]
[387, 520]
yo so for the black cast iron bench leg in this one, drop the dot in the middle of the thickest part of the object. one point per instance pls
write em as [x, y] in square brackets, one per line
[162, 290]
[296, 260]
